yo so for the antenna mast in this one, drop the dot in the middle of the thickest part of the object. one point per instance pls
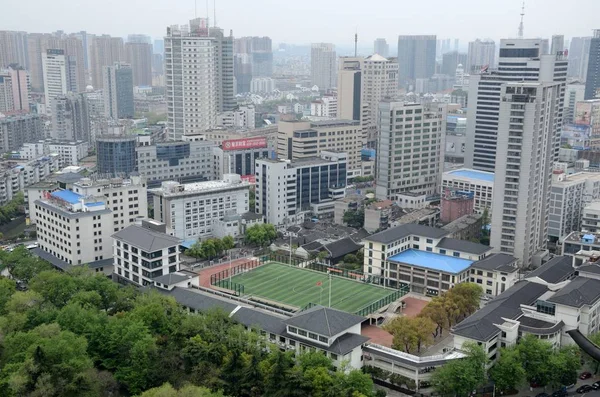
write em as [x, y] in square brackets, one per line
[355, 44]
[521, 24]
[215, 13]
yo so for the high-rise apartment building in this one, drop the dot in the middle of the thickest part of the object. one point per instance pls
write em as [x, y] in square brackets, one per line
[410, 148]
[416, 58]
[17, 129]
[481, 54]
[579, 53]
[381, 47]
[557, 44]
[520, 60]
[224, 69]
[14, 89]
[70, 118]
[139, 56]
[105, 51]
[260, 54]
[529, 124]
[74, 49]
[13, 49]
[304, 139]
[575, 92]
[451, 60]
[323, 67]
[592, 79]
[118, 91]
[59, 75]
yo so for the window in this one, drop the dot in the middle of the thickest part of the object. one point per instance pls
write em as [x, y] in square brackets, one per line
[443, 252]
[302, 332]
[457, 254]
[429, 241]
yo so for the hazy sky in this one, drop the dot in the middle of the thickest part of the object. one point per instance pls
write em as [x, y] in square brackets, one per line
[308, 21]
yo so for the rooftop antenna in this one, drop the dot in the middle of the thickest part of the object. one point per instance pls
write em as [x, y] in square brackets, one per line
[195, 8]
[215, 13]
[356, 43]
[521, 24]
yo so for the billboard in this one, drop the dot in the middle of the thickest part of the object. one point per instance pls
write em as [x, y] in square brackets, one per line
[249, 178]
[245, 143]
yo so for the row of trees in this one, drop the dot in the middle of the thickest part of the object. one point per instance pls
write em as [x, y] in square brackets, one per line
[442, 312]
[531, 360]
[12, 209]
[211, 248]
[79, 334]
[261, 234]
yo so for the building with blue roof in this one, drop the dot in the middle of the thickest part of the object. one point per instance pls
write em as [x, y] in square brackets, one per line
[480, 183]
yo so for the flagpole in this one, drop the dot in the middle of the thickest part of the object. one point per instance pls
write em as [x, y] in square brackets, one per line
[330, 281]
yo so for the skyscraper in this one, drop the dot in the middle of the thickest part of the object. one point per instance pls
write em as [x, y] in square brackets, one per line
[139, 56]
[520, 60]
[70, 118]
[416, 58]
[118, 91]
[106, 50]
[381, 47]
[224, 69]
[323, 65]
[579, 53]
[260, 54]
[592, 80]
[13, 48]
[451, 60]
[558, 44]
[14, 89]
[529, 120]
[481, 54]
[59, 75]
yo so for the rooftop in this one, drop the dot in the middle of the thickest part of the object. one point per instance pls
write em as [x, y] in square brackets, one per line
[500, 262]
[324, 320]
[176, 189]
[463, 246]
[409, 229]
[146, 239]
[68, 196]
[171, 278]
[473, 174]
[578, 292]
[554, 271]
[430, 260]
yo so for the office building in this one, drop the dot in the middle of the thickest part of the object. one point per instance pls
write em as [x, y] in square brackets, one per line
[451, 60]
[592, 79]
[528, 135]
[224, 69]
[286, 190]
[569, 196]
[262, 85]
[190, 210]
[186, 162]
[13, 48]
[455, 204]
[323, 66]
[241, 117]
[70, 118]
[416, 58]
[484, 90]
[105, 51]
[558, 44]
[304, 139]
[73, 48]
[242, 67]
[590, 218]
[586, 124]
[479, 183]
[575, 92]
[579, 54]
[410, 148]
[481, 54]
[381, 47]
[144, 253]
[326, 106]
[139, 56]
[15, 130]
[116, 155]
[14, 89]
[238, 156]
[260, 54]
[118, 91]
[59, 75]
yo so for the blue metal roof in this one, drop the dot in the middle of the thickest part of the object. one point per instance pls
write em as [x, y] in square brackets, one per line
[474, 174]
[433, 261]
[67, 195]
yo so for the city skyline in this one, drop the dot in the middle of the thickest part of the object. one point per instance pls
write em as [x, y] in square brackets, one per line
[497, 20]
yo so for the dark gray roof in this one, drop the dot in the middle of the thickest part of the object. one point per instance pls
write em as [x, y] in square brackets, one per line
[314, 246]
[146, 239]
[313, 236]
[294, 229]
[198, 300]
[359, 235]
[592, 268]
[251, 216]
[170, 279]
[557, 269]
[539, 327]
[578, 292]
[68, 177]
[480, 325]
[463, 245]
[398, 232]
[342, 247]
[324, 320]
[54, 261]
[265, 321]
[500, 262]
[342, 345]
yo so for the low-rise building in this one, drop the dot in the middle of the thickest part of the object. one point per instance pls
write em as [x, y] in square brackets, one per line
[480, 183]
[456, 204]
[466, 227]
[69, 153]
[242, 117]
[379, 214]
[235, 225]
[412, 200]
[590, 217]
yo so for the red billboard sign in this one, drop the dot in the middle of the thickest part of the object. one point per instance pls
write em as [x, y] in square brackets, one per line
[249, 178]
[245, 143]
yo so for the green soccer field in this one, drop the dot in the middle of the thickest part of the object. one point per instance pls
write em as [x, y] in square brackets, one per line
[298, 287]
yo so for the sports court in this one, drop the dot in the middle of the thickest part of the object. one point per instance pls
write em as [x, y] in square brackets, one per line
[298, 287]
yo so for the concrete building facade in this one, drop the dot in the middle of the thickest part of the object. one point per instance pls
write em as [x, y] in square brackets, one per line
[118, 91]
[323, 66]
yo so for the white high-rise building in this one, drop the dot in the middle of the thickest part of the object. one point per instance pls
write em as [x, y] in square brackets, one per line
[381, 47]
[323, 65]
[530, 117]
[557, 44]
[59, 72]
[481, 54]
[262, 85]
[520, 60]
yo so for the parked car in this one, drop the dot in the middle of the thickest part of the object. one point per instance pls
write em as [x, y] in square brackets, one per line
[584, 389]
[585, 375]
[572, 385]
[542, 395]
[596, 385]
[560, 393]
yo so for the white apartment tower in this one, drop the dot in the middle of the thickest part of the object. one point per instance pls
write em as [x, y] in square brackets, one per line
[59, 72]
[481, 54]
[528, 128]
[520, 60]
[323, 65]
[410, 148]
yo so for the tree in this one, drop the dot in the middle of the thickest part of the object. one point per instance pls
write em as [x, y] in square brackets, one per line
[350, 258]
[405, 335]
[228, 242]
[354, 218]
[425, 328]
[261, 234]
[507, 372]
[436, 311]
[56, 288]
[22, 265]
[167, 390]
[252, 201]
[7, 289]
[535, 356]
[461, 377]
[563, 366]
[322, 255]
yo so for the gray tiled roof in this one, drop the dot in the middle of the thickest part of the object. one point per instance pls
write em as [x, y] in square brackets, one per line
[146, 239]
[398, 232]
[342, 247]
[578, 292]
[266, 321]
[360, 235]
[557, 269]
[324, 320]
[480, 325]
[539, 327]
[342, 345]
[199, 301]
[592, 268]
[500, 262]
[463, 245]
[314, 246]
[68, 177]
[170, 279]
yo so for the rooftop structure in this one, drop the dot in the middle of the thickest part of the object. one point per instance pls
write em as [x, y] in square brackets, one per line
[473, 174]
[429, 260]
